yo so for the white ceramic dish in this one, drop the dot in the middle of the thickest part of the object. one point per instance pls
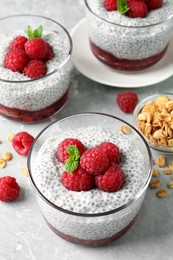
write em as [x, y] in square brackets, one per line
[92, 68]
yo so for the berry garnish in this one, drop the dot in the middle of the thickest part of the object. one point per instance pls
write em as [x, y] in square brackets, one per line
[78, 180]
[137, 9]
[112, 180]
[154, 4]
[16, 60]
[49, 53]
[111, 150]
[36, 48]
[110, 5]
[94, 161]
[35, 69]
[62, 154]
[9, 188]
[18, 43]
[127, 101]
[22, 142]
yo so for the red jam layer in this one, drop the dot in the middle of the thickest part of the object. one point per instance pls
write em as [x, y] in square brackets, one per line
[33, 116]
[94, 243]
[124, 64]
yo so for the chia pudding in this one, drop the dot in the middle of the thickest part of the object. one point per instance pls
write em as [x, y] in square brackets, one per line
[91, 217]
[30, 100]
[126, 43]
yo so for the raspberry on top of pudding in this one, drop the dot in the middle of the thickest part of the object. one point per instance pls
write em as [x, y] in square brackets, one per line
[127, 174]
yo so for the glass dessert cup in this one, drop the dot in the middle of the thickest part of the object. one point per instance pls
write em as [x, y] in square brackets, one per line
[127, 48]
[96, 229]
[32, 100]
[165, 124]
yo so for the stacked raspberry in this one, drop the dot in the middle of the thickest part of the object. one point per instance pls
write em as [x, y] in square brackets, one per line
[29, 55]
[87, 168]
[133, 8]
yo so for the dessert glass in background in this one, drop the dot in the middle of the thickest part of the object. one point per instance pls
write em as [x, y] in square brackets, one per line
[153, 117]
[89, 217]
[31, 100]
[125, 43]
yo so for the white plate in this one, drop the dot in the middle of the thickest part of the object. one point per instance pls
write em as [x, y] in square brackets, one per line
[92, 68]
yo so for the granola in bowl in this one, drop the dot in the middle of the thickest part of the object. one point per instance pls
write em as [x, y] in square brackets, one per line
[154, 118]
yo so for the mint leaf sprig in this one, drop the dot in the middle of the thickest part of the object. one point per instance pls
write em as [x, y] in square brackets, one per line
[37, 33]
[73, 160]
[122, 6]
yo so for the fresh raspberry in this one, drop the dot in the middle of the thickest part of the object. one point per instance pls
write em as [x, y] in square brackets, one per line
[112, 180]
[36, 48]
[137, 9]
[110, 5]
[18, 43]
[154, 4]
[35, 69]
[127, 101]
[49, 54]
[16, 60]
[111, 150]
[61, 152]
[94, 161]
[9, 188]
[22, 142]
[78, 180]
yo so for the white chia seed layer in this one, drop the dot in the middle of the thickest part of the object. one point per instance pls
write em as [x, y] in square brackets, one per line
[48, 170]
[37, 94]
[130, 43]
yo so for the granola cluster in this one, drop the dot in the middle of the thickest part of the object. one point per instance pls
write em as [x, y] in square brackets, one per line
[155, 121]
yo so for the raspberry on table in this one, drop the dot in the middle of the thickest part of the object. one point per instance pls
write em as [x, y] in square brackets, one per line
[9, 189]
[36, 48]
[111, 150]
[110, 5]
[137, 9]
[61, 152]
[18, 43]
[127, 101]
[112, 180]
[16, 60]
[94, 161]
[22, 142]
[78, 180]
[35, 69]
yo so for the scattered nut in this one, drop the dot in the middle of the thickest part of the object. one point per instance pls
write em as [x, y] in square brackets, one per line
[125, 129]
[171, 165]
[7, 156]
[170, 185]
[10, 137]
[2, 163]
[161, 161]
[155, 172]
[24, 170]
[154, 184]
[162, 193]
[167, 171]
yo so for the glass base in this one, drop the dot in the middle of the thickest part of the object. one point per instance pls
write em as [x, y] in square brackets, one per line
[93, 243]
[33, 116]
[124, 64]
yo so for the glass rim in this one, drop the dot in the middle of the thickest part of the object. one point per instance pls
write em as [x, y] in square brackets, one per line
[126, 26]
[116, 210]
[55, 70]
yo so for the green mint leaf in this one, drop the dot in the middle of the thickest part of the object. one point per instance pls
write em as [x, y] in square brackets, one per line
[122, 6]
[37, 33]
[29, 32]
[71, 165]
[72, 150]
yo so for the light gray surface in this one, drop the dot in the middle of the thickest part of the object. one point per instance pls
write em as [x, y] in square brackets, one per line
[24, 234]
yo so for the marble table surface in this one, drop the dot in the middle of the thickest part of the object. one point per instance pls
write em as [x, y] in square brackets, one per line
[23, 232]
